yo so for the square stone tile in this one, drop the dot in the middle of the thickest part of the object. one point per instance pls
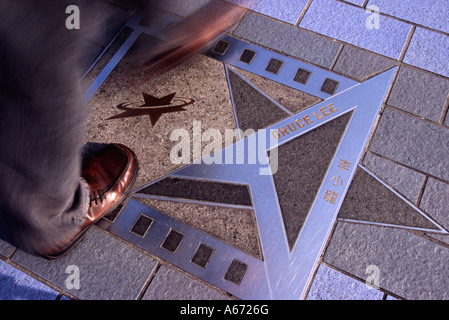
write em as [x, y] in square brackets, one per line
[17, 285]
[413, 142]
[329, 284]
[108, 268]
[326, 17]
[429, 50]
[361, 64]
[5, 248]
[101, 21]
[420, 93]
[181, 8]
[171, 284]
[409, 266]
[435, 201]
[285, 10]
[433, 15]
[288, 39]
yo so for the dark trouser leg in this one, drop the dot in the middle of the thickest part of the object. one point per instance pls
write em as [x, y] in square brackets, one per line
[42, 199]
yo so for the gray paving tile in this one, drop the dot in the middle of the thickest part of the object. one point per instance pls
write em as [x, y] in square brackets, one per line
[420, 93]
[325, 17]
[101, 21]
[404, 180]
[181, 8]
[132, 5]
[329, 284]
[195, 79]
[108, 268]
[429, 50]
[285, 10]
[435, 201]
[413, 142]
[361, 64]
[433, 15]
[409, 266]
[288, 39]
[17, 285]
[171, 284]
[5, 248]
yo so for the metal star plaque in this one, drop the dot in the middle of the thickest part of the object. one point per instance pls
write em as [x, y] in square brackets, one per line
[294, 173]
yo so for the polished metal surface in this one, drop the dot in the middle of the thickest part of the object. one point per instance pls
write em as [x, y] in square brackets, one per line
[283, 273]
[288, 273]
[287, 72]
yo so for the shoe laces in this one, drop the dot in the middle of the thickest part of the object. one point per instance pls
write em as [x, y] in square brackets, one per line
[95, 196]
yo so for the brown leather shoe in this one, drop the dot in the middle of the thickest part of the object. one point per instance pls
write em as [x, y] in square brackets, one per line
[192, 34]
[110, 175]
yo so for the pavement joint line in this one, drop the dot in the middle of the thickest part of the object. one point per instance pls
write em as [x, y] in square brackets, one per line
[400, 63]
[38, 278]
[407, 43]
[421, 191]
[103, 52]
[404, 49]
[439, 124]
[335, 40]
[382, 108]
[442, 230]
[337, 56]
[303, 13]
[160, 262]
[384, 291]
[445, 112]
[394, 17]
[148, 282]
[409, 167]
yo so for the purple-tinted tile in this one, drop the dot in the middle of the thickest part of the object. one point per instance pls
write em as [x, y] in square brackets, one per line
[429, 50]
[349, 24]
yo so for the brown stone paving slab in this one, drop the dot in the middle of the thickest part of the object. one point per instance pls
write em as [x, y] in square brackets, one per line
[201, 79]
[292, 99]
[253, 109]
[206, 191]
[241, 233]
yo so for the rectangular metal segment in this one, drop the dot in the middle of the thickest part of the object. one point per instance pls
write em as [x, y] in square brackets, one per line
[289, 273]
[286, 75]
[252, 285]
[282, 274]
